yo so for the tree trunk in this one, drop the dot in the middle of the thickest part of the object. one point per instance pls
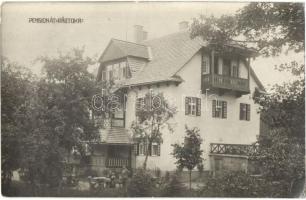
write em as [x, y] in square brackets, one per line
[145, 161]
[147, 155]
[189, 179]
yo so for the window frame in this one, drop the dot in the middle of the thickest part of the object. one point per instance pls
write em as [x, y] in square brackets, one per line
[141, 148]
[205, 65]
[192, 106]
[157, 145]
[245, 112]
[219, 109]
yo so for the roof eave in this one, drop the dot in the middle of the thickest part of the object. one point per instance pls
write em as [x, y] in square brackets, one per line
[150, 83]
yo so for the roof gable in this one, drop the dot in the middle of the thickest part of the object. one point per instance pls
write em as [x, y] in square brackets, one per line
[118, 49]
[166, 56]
[169, 53]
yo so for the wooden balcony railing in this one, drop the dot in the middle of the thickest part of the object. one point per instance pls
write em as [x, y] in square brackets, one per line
[117, 162]
[225, 82]
[233, 149]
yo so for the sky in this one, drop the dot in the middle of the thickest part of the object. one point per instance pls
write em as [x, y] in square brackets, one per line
[23, 42]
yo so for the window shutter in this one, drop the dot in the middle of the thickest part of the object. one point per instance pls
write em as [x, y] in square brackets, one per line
[198, 107]
[158, 150]
[150, 149]
[187, 101]
[241, 111]
[145, 148]
[248, 112]
[214, 108]
[224, 109]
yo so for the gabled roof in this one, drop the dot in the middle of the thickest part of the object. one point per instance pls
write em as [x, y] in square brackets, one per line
[169, 54]
[119, 49]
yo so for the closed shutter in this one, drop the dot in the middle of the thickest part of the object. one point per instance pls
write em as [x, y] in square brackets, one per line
[150, 149]
[248, 112]
[158, 149]
[241, 111]
[145, 148]
[214, 108]
[198, 107]
[224, 109]
[187, 102]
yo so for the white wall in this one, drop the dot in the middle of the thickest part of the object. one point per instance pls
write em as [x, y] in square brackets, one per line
[230, 130]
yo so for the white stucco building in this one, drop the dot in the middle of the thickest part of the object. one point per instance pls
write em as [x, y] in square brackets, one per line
[212, 89]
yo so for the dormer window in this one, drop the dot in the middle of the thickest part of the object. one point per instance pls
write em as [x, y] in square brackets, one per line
[115, 71]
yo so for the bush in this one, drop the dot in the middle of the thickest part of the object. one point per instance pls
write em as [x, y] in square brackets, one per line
[239, 184]
[141, 184]
[173, 187]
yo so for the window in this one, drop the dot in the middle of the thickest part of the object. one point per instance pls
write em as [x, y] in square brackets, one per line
[192, 106]
[123, 70]
[143, 147]
[110, 76]
[155, 150]
[116, 71]
[140, 104]
[226, 67]
[235, 72]
[245, 111]
[205, 64]
[215, 64]
[219, 109]
[103, 75]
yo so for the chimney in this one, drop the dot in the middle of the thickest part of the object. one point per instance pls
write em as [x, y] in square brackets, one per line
[183, 25]
[144, 35]
[139, 34]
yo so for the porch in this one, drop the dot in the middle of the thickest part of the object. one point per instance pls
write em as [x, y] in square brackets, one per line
[114, 151]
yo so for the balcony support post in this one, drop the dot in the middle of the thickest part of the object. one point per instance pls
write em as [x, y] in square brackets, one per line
[212, 66]
[249, 71]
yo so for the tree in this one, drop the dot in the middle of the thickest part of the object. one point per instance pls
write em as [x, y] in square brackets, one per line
[153, 113]
[269, 27]
[272, 28]
[189, 153]
[282, 148]
[16, 90]
[50, 116]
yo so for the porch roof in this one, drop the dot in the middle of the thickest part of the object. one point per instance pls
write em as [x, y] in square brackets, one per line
[115, 135]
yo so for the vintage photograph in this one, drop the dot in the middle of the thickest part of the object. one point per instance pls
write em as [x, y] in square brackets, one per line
[153, 99]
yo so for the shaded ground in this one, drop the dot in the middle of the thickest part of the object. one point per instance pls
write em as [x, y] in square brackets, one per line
[20, 189]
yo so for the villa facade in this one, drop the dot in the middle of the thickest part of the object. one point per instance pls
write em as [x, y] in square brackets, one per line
[212, 90]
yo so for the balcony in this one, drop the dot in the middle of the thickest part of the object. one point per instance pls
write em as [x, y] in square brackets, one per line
[225, 83]
[233, 149]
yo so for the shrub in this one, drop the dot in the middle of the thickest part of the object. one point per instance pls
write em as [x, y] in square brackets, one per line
[141, 184]
[167, 176]
[157, 172]
[239, 184]
[173, 187]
